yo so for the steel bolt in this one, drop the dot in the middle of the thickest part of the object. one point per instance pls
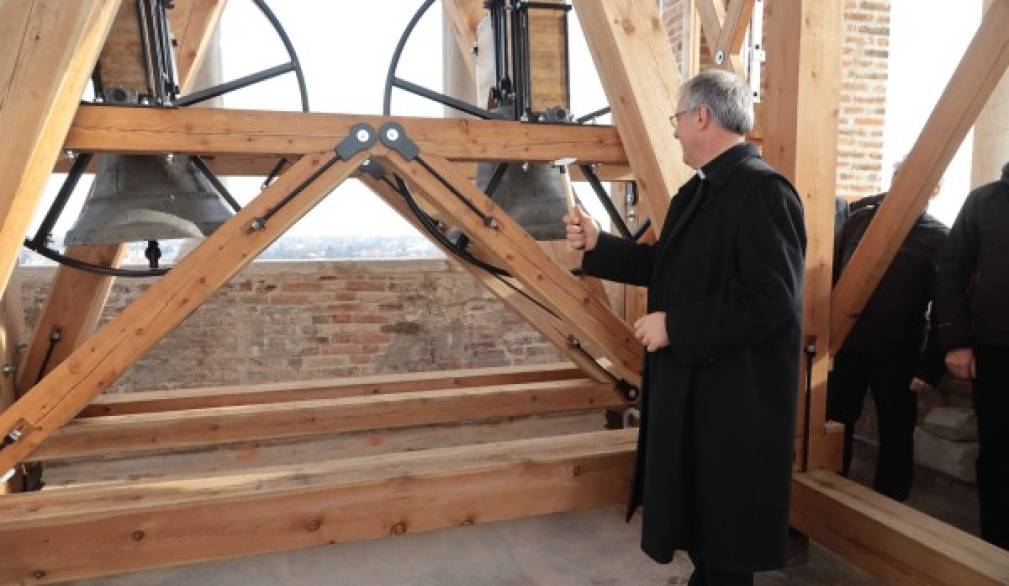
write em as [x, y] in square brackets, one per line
[8, 369]
[363, 135]
[719, 57]
[15, 435]
[392, 134]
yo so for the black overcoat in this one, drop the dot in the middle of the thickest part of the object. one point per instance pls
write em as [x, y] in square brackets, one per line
[716, 443]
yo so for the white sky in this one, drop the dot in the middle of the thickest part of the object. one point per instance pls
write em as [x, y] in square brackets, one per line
[345, 48]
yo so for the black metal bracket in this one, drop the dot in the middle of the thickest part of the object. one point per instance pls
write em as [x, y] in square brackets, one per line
[361, 138]
[393, 135]
[630, 392]
[373, 168]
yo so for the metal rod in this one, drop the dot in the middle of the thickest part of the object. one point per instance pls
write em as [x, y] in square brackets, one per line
[236, 84]
[604, 198]
[446, 100]
[289, 46]
[89, 267]
[398, 53]
[594, 115]
[221, 189]
[66, 190]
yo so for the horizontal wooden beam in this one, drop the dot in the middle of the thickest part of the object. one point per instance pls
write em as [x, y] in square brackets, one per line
[888, 539]
[59, 396]
[131, 434]
[216, 131]
[230, 396]
[67, 534]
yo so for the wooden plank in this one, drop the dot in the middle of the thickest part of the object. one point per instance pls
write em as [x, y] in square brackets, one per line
[381, 384]
[162, 307]
[519, 254]
[212, 131]
[888, 539]
[638, 71]
[974, 80]
[801, 106]
[48, 49]
[193, 23]
[548, 58]
[152, 432]
[12, 331]
[711, 14]
[72, 533]
[551, 328]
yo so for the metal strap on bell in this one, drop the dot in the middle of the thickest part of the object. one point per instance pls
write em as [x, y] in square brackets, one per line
[147, 197]
[533, 195]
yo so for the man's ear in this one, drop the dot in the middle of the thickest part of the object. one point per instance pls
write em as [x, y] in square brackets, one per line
[703, 116]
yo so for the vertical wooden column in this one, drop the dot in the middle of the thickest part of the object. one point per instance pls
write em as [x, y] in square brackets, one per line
[48, 49]
[801, 109]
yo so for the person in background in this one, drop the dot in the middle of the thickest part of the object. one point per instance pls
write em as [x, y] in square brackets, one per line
[885, 353]
[972, 307]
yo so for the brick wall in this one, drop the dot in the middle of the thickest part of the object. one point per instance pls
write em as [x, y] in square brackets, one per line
[281, 321]
[864, 63]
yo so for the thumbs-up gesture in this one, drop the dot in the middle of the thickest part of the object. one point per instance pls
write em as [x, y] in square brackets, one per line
[582, 231]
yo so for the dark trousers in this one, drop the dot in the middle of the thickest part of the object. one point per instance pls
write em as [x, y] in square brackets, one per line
[889, 381]
[991, 402]
[707, 576]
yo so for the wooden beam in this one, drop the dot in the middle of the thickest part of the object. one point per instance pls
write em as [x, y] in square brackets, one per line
[193, 23]
[153, 432]
[733, 32]
[463, 17]
[382, 384]
[162, 307]
[551, 328]
[890, 540]
[48, 49]
[974, 80]
[801, 109]
[638, 72]
[213, 131]
[68, 534]
[519, 254]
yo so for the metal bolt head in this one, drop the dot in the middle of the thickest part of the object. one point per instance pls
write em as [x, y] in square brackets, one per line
[70, 154]
[719, 57]
[8, 369]
[170, 157]
[15, 435]
[363, 135]
[21, 346]
[392, 134]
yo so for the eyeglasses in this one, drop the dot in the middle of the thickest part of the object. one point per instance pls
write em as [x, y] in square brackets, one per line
[675, 118]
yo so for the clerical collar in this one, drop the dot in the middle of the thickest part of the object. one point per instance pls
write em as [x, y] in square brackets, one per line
[718, 170]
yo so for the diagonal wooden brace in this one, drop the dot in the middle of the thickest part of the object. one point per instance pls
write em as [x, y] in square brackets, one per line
[474, 213]
[151, 316]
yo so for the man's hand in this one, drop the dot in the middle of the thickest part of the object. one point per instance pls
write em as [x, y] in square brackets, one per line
[919, 386]
[960, 362]
[582, 232]
[651, 330]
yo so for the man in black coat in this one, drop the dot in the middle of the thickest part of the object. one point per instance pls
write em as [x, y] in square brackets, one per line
[723, 334]
[972, 308]
[884, 351]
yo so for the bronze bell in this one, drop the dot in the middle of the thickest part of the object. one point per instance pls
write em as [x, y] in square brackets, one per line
[148, 197]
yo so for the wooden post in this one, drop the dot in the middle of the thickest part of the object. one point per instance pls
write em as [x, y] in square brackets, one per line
[48, 49]
[801, 108]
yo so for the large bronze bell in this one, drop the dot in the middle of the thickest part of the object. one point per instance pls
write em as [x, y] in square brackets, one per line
[148, 197]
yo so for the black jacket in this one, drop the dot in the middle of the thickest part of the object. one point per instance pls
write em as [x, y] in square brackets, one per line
[716, 443]
[972, 291]
[894, 322]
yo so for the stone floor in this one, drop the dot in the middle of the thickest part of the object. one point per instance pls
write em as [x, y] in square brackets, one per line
[582, 548]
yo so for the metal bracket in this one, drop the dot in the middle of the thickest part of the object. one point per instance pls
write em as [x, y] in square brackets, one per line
[374, 169]
[361, 138]
[393, 135]
[630, 391]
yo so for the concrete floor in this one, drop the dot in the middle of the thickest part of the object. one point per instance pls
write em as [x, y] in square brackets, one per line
[581, 548]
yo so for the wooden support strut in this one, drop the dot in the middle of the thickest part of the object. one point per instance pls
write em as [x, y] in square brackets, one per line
[974, 80]
[462, 204]
[151, 316]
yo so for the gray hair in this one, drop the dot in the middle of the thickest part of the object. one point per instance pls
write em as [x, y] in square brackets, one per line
[725, 95]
